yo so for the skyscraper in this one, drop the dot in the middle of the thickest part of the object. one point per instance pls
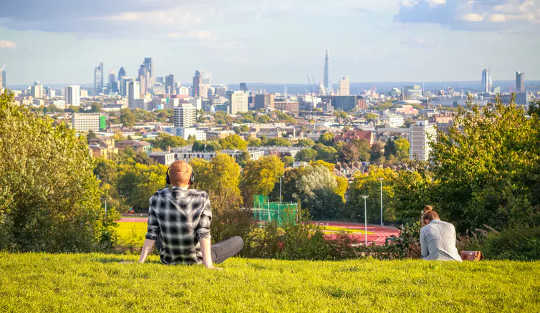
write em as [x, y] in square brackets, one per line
[243, 87]
[184, 115]
[121, 73]
[37, 90]
[196, 90]
[133, 92]
[344, 86]
[486, 81]
[73, 96]
[111, 85]
[169, 84]
[98, 79]
[520, 82]
[3, 82]
[142, 78]
[326, 71]
[148, 65]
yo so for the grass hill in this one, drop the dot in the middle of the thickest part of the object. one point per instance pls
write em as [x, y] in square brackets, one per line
[100, 283]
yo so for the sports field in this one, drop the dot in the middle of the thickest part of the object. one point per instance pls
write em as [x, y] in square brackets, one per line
[131, 231]
[101, 283]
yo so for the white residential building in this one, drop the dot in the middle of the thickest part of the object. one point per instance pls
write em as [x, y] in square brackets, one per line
[344, 86]
[420, 135]
[83, 122]
[184, 115]
[238, 102]
[73, 96]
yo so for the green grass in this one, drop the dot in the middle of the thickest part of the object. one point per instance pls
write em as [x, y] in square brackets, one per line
[99, 283]
[131, 234]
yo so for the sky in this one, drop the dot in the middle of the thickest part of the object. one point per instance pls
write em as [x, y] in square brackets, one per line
[273, 41]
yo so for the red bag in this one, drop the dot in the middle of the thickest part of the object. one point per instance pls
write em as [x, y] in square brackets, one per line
[471, 255]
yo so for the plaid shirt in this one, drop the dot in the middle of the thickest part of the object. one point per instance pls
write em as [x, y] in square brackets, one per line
[179, 219]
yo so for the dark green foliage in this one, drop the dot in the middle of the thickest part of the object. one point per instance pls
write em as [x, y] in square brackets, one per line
[306, 155]
[513, 244]
[49, 196]
[164, 142]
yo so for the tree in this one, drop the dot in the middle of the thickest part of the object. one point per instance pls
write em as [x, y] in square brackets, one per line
[288, 160]
[138, 182]
[402, 148]
[49, 196]
[260, 176]
[127, 118]
[280, 141]
[306, 155]
[91, 135]
[377, 153]
[254, 142]
[327, 139]
[164, 142]
[306, 142]
[488, 168]
[368, 184]
[95, 107]
[325, 153]
[233, 142]
[316, 187]
[220, 177]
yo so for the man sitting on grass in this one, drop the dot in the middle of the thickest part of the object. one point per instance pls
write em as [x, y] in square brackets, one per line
[437, 238]
[179, 219]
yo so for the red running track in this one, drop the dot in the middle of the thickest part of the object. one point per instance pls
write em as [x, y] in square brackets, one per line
[378, 236]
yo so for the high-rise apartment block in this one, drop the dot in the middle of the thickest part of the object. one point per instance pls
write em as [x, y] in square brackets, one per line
[84, 122]
[344, 86]
[184, 115]
[264, 101]
[133, 93]
[37, 90]
[520, 82]
[98, 79]
[73, 96]
[420, 135]
[238, 102]
[487, 83]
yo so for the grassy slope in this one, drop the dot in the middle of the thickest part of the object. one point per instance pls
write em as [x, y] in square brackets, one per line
[99, 283]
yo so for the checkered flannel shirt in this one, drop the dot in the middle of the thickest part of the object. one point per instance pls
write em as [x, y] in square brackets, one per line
[179, 219]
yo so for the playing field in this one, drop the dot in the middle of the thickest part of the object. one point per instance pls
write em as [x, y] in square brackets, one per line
[100, 283]
[131, 231]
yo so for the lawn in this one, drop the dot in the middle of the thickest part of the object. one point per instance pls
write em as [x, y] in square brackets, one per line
[131, 234]
[100, 283]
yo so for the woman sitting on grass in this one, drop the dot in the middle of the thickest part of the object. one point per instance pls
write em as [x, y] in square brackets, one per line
[437, 238]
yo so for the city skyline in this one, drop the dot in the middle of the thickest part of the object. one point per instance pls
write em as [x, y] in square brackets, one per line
[276, 42]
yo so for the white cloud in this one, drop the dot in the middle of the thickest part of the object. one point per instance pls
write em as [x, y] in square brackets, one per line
[472, 14]
[8, 44]
[472, 17]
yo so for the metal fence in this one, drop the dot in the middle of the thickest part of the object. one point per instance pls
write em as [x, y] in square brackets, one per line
[279, 212]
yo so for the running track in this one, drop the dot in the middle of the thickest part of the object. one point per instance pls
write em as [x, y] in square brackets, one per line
[376, 234]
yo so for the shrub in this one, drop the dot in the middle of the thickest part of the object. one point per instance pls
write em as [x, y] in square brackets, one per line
[49, 196]
[513, 244]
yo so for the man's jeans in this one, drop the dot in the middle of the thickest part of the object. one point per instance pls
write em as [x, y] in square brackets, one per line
[226, 249]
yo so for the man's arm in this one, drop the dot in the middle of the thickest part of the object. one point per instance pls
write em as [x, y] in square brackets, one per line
[146, 249]
[203, 233]
[152, 233]
[206, 249]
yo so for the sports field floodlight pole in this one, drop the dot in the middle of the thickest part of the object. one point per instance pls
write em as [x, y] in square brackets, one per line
[381, 179]
[279, 189]
[365, 218]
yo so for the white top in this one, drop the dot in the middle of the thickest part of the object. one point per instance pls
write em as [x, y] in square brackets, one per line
[438, 241]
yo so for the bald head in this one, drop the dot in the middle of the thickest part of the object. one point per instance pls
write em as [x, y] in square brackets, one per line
[180, 173]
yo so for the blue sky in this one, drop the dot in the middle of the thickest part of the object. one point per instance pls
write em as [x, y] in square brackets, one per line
[271, 41]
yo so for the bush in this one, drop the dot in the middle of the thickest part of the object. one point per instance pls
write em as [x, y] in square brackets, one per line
[49, 196]
[513, 244]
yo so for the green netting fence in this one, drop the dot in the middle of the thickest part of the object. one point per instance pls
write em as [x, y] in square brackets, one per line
[280, 212]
